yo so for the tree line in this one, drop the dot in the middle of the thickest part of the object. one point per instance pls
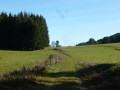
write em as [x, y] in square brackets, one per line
[111, 39]
[23, 31]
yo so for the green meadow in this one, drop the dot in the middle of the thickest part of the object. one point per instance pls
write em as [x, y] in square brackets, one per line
[68, 74]
[14, 60]
[105, 53]
[82, 68]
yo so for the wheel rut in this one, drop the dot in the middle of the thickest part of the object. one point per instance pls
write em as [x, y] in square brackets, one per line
[63, 77]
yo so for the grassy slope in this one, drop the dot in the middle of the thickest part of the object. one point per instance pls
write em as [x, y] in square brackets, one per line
[114, 45]
[94, 53]
[99, 69]
[13, 60]
[63, 75]
[100, 76]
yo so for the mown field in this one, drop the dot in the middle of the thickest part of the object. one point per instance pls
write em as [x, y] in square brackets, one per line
[94, 67]
[14, 60]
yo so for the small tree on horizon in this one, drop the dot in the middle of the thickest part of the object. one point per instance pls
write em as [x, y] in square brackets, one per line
[57, 43]
[91, 41]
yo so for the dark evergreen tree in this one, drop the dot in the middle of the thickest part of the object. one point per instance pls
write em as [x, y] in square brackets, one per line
[23, 31]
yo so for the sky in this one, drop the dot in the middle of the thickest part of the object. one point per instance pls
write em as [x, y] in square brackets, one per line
[72, 21]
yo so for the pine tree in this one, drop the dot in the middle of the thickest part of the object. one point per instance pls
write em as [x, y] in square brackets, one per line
[23, 31]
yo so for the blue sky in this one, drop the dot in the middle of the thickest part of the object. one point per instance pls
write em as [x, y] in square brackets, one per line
[72, 21]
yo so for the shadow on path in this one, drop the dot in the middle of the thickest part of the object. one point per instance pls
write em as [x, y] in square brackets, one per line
[58, 81]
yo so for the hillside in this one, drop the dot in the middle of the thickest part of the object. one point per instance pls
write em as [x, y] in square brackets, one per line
[14, 60]
[104, 53]
[82, 68]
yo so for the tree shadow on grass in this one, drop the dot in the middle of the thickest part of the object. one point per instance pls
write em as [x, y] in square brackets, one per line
[96, 77]
[101, 76]
[16, 84]
[65, 80]
[65, 83]
[91, 69]
[67, 86]
[58, 74]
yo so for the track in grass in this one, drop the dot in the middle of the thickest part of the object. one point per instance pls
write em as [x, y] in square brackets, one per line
[62, 76]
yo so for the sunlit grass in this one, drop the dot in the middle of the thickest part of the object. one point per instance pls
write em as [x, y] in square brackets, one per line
[99, 57]
[14, 60]
[95, 53]
[63, 76]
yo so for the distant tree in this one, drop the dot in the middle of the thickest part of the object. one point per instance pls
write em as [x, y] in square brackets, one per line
[117, 37]
[57, 43]
[91, 41]
[106, 40]
[81, 44]
[111, 39]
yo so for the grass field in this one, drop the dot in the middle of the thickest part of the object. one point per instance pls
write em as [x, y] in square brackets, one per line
[14, 60]
[82, 67]
[64, 75]
[99, 65]
[95, 53]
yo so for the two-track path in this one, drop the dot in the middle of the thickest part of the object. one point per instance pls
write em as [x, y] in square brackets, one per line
[62, 76]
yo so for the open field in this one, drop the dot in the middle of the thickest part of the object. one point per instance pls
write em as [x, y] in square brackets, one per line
[82, 68]
[13, 60]
[104, 53]
[70, 71]
[115, 46]
[99, 65]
